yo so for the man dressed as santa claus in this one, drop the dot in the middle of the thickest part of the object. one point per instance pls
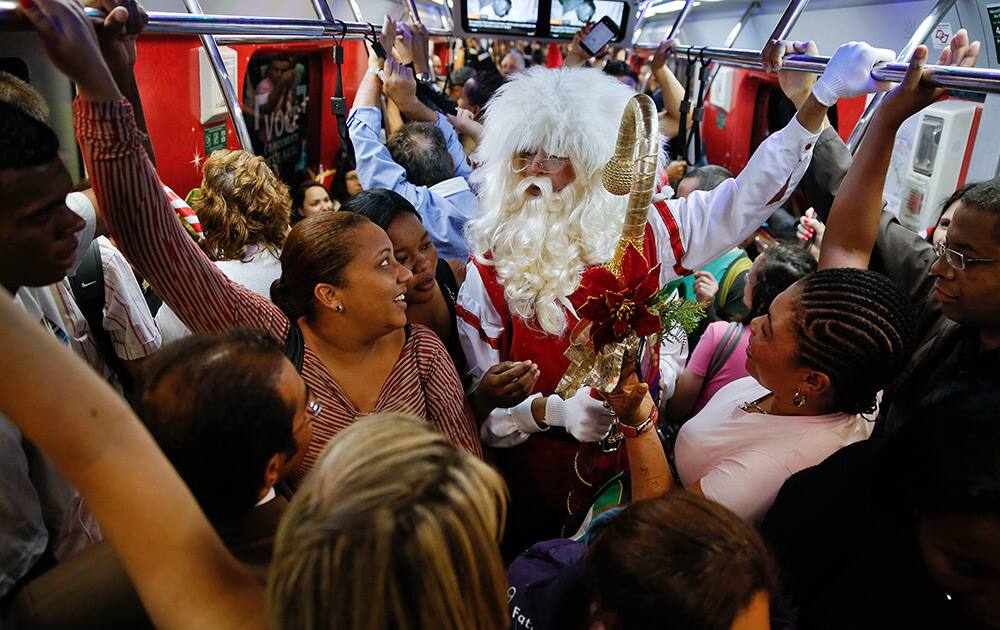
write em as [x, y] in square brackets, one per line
[545, 218]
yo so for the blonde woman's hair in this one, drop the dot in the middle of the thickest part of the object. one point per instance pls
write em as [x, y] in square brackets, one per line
[394, 528]
[242, 203]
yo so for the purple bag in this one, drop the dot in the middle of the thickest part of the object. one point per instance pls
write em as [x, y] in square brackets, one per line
[548, 587]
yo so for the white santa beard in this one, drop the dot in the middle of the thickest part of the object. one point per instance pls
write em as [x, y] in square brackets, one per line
[540, 249]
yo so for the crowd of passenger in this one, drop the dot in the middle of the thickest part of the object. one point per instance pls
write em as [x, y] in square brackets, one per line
[337, 408]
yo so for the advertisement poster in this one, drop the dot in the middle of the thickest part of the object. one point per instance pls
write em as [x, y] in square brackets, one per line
[274, 104]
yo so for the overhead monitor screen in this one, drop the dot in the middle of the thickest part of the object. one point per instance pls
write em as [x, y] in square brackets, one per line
[501, 17]
[566, 17]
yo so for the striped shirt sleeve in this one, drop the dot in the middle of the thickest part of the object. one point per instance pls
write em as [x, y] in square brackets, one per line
[133, 331]
[147, 231]
[447, 408]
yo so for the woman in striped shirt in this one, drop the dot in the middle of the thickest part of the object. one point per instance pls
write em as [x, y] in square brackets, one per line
[340, 283]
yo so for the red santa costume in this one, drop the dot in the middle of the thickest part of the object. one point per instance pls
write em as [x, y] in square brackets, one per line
[530, 252]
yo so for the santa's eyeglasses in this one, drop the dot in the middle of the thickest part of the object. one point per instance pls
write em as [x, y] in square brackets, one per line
[546, 163]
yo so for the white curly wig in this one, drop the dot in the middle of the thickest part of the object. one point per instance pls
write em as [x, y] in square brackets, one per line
[540, 248]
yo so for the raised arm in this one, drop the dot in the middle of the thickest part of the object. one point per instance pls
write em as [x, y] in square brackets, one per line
[577, 56]
[132, 201]
[853, 225]
[671, 88]
[714, 221]
[648, 468]
[117, 39]
[186, 577]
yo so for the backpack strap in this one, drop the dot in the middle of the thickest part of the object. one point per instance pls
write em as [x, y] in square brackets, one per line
[295, 345]
[733, 271]
[725, 349]
[89, 295]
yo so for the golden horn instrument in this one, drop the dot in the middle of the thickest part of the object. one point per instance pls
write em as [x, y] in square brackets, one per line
[631, 170]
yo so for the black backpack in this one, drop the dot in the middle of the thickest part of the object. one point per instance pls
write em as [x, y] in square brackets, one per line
[88, 292]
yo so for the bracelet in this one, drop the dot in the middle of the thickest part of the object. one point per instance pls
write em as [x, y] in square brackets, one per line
[634, 431]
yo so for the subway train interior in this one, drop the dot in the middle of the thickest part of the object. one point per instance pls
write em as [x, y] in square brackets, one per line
[483, 314]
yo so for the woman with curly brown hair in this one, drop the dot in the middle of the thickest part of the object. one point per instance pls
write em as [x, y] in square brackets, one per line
[244, 209]
[243, 206]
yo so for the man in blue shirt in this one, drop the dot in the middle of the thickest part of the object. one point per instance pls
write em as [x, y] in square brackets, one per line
[424, 161]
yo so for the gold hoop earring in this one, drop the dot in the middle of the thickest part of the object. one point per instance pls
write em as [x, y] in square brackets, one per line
[799, 399]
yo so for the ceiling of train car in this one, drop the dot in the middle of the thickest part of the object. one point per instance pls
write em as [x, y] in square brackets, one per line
[372, 10]
[828, 22]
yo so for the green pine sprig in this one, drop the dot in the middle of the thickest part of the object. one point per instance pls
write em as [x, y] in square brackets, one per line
[676, 315]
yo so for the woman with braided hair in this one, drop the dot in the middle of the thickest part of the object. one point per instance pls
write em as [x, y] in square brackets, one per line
[817, 361]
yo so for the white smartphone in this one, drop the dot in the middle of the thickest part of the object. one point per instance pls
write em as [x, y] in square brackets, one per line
[599, 36]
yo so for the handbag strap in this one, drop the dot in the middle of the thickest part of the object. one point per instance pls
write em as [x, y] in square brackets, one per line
[725, 349]
[295, 345]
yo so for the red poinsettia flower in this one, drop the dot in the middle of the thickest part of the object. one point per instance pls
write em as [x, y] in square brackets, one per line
[618, 305]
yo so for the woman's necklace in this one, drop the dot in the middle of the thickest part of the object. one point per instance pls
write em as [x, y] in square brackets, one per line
[754, 407]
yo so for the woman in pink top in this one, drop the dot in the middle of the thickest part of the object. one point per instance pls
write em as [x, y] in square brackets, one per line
[720, 356]
[818, 358]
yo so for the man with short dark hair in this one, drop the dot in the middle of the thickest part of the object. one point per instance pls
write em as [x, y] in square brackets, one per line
[623, 72]
[702, 178]
[424, 162]
[42, 240]
[478, 90]
[229, 411]
[457, 81]
[956, 290]
[420, 148]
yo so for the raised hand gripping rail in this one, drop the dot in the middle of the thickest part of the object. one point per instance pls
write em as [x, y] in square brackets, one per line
[937, 13]
[167, 23]
[973, 79]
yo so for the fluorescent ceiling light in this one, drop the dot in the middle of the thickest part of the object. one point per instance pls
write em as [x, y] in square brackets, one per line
[668, 7]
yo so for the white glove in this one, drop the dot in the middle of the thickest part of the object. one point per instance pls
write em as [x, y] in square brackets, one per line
[583, 417]
[849, 73]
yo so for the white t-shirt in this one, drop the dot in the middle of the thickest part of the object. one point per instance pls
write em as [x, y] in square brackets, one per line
[742, 459]
[255, 273]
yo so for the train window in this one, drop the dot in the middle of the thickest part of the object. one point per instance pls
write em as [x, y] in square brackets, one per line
[15, 66]
[276, 108]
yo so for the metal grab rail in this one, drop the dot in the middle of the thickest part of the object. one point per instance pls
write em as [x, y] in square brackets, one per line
[974, 79]
[734, 34]
[937, 13]
[788, 19]
[167, 23]
[681, 18]
[226, 83]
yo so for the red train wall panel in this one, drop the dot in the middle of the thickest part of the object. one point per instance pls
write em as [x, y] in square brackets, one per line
[167, 72]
